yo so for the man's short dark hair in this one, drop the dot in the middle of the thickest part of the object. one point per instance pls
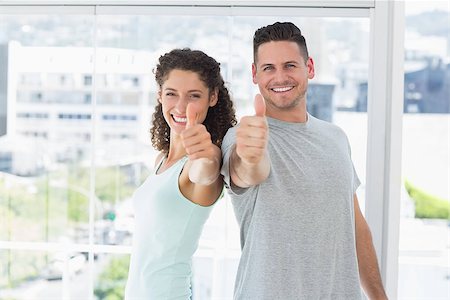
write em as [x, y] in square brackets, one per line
[279, 31]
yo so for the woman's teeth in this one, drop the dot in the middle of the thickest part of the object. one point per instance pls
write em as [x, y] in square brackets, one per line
[179, 119]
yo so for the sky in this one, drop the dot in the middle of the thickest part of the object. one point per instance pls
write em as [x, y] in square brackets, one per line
[415, 6]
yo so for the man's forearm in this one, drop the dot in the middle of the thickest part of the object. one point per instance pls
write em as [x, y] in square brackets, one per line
[245, 174]
[368, 266]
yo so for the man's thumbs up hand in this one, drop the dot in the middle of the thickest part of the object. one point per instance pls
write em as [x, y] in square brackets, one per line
[252, 134]
[260, 106]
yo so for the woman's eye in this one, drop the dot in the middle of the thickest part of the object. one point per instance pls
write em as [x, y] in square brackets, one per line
[195, 96]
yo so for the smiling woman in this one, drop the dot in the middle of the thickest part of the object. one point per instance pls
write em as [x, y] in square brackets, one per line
[193, 113]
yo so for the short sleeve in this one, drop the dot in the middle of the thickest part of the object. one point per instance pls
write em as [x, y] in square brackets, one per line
[227, 147]
[356, 181]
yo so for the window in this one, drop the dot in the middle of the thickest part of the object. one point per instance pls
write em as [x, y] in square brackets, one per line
[44, 196]
[79, 192]
[87, 80]
[87, 98]
[5, 161]
[32, 115]
[424, 231]
[36, 97]
[67, 116]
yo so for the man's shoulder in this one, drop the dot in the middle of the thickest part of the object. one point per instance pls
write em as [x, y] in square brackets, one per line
[229, 137]
[228, 140]
[327, 127]
[231, 130]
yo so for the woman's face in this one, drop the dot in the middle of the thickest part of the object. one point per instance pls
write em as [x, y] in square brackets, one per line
[180, 89]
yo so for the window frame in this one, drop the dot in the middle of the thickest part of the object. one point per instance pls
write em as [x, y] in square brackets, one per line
[385, 100]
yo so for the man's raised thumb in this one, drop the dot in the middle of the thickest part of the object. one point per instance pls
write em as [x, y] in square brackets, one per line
[260, 106]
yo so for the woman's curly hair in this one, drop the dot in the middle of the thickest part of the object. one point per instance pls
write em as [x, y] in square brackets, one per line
[219, 118]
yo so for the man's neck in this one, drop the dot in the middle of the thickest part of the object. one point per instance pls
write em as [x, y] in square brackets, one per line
[295, 115]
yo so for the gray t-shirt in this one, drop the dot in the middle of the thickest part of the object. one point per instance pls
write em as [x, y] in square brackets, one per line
[297, 228]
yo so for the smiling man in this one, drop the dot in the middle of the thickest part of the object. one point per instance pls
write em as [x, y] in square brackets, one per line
[292, 184]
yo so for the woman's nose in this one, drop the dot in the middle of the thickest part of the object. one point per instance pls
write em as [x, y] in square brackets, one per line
[182, 104]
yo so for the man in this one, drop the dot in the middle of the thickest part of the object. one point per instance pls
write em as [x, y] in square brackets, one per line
[293, 185]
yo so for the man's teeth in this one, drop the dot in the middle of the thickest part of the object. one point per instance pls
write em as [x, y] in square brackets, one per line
[180, 120]
[282, 89]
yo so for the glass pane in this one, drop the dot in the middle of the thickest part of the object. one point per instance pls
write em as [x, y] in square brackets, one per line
[215, 262]
[214, 275]
[30, 275]
[18, 270]
[424, 269]
[110, 276]
[337, 93]
[45, 154]
[202, 281]
[45, 158]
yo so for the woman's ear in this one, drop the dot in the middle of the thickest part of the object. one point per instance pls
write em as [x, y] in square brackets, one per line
[159, 96]
[214, 97]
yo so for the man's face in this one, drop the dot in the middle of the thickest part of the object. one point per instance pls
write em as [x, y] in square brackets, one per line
[282, 74]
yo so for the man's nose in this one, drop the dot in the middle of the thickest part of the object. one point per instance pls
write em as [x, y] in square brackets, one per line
[280, 75]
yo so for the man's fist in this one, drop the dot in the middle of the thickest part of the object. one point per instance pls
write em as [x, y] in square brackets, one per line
[252, 134]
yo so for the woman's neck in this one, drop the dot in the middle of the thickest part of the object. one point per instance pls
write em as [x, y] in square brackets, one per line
[176, 149]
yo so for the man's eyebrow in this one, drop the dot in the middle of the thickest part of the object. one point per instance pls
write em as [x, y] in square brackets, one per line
[286, 62]
[265, 65]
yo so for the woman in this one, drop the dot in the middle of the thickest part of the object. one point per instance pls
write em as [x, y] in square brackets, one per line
[193, 113]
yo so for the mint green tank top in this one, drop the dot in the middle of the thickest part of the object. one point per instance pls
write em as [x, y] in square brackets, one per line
[166, 235]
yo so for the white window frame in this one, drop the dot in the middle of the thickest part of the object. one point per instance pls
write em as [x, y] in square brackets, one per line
[384, 145]
[385, 99]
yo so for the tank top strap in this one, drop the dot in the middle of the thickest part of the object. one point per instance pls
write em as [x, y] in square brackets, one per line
[177, 167]
[163, 158]
[182, 163]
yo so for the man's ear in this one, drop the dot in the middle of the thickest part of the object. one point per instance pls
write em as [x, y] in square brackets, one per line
[310, 66]
[254, 73]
